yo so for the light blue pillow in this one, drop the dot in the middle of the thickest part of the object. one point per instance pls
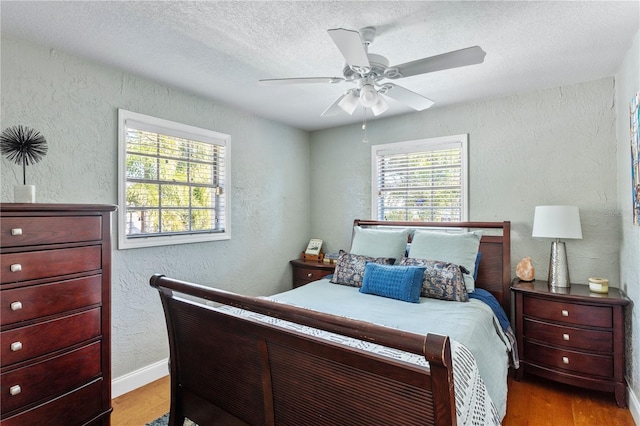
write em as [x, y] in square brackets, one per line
[396, 282]
[379, 242]
[460, 249]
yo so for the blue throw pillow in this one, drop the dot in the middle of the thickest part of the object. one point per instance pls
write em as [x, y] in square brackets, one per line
[396, 282]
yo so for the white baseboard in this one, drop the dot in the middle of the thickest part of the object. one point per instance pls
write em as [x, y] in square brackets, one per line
[634, 405]
[135, 379]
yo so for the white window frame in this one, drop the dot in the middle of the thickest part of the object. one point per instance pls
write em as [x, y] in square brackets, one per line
[431, 144]
[170, 128]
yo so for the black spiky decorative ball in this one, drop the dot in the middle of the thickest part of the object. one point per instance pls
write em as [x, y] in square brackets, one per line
[23, 145]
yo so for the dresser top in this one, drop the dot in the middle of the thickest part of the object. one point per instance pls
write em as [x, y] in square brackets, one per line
[577, 292]
[46, 207]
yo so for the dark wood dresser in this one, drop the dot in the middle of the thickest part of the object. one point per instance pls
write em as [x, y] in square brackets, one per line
[55, 314]
[572, 336]
[305, 271]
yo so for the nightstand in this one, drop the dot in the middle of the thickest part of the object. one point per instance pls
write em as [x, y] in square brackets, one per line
[571, 335]
[305, 271]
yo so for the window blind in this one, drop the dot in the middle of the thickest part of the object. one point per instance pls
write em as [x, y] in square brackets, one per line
[420, 182]
[174, 181]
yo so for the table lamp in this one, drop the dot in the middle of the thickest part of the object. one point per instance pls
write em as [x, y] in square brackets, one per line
[557, 222]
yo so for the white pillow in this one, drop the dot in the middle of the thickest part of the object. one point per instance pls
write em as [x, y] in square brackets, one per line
[460, 249]
[380, 242]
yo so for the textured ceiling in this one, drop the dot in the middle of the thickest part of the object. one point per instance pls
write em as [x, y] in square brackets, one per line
[219, 50]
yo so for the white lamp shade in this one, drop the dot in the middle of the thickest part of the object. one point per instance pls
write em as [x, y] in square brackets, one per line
[380, 106]
[349, 103]
[368, 96]
[557, 222]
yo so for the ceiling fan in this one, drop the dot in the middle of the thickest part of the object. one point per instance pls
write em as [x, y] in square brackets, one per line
[368, 72]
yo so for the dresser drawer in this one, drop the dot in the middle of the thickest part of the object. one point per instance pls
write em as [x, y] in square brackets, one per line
[49, 378]
[28, 342]
[571, 361]
[309, 274]
[17, 267]
[26, 303]
[77, 407]
[597, 316]
[570, 337]
[26, 231]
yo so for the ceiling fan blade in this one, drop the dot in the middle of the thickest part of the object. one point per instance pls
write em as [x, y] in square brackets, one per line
[407, 97]
[350, 44]
[334, 108]
[457, 58]
[302, 80]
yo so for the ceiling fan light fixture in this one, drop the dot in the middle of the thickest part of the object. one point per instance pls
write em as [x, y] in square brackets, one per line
[368, 96]
[349, 103]
[380, 106]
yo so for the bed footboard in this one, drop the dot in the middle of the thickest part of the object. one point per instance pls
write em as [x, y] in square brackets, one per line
[232, 370]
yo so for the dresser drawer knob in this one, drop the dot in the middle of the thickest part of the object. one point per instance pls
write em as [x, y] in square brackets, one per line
[310, 275]
[565, 336]
[565, 313]
[565, 360]
[16, 231]
[16, 267]
[16, 346]
[15, 389]
[16, 306]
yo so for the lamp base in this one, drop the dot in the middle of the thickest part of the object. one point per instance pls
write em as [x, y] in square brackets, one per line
[558, 267]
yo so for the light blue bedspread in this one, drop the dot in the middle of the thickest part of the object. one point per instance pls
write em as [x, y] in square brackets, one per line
[472, 324]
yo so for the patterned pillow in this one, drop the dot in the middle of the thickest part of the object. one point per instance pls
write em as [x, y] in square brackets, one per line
[396, 282]
[350, 268]
[442, 280]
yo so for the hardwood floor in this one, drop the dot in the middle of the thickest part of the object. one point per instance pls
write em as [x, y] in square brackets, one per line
[531, 402]
[142, 405]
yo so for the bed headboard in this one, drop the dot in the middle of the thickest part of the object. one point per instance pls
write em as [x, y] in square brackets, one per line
[494, 271]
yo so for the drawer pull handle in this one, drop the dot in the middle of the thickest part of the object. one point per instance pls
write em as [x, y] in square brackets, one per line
[565, 336]
[565, 313]
[14, 390]
[309, 274]
[565, 360]
[16, 346]
[16, 267]
[16, 231]
[16, 306]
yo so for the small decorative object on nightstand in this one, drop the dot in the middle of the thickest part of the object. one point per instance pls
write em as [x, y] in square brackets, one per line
[305, 271]
[574, 337]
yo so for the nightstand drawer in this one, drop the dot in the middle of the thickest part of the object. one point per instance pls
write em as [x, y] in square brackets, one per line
[569, 337]
[27, 303]
[308, 274]
[571, 361]
[24, 231]
[17, 267]
[54, 376]
[31, 341]
[597, 316]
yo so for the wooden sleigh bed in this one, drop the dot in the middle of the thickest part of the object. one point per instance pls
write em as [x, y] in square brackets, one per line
[236, 370]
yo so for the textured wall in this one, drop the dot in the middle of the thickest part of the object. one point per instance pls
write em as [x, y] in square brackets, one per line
[74, 104]
[628, 84]
[554, 146]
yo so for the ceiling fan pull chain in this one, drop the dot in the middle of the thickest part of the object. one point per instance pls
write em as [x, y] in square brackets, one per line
[364, 125]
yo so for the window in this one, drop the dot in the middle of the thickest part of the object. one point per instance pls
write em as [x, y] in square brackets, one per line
[423, 180]
[173, 182]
